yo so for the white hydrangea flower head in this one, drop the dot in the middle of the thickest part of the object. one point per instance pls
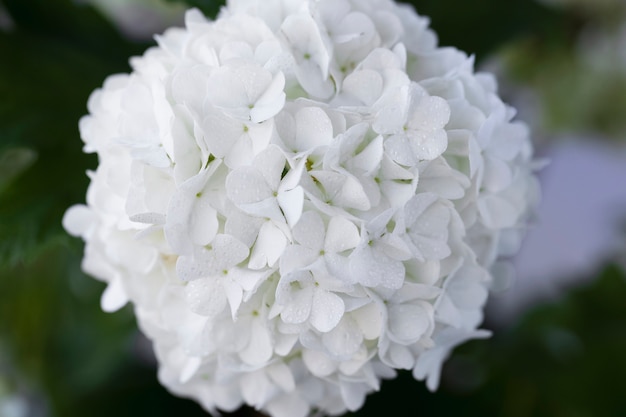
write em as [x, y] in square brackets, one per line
[301, 198]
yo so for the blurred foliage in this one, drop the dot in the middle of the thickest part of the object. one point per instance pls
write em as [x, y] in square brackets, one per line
[581, 79]
[59, 349]
[596, 96]
[480, 27]
[209, 7]
[54, 56]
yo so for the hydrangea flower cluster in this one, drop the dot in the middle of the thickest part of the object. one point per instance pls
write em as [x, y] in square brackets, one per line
[299, 199]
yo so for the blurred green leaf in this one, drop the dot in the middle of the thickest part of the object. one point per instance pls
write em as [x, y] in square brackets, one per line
[55, 55]
[14, 161]
[68, 22]
[480, 27]
[210, 8]
[57, 334]
[575, 94]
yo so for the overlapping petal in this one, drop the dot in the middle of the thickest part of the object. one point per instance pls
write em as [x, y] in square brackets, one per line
[300, 198]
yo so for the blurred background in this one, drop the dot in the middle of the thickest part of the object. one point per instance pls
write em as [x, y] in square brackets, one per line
[559, 344]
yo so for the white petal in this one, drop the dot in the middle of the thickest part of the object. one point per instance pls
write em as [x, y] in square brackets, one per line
[352, 195]
[313, 128]
[235, 88]
[241, 153]
[339, 267]
[291, 203]
[228, 251]
[271, 163]
[373, 268]
[344, 340]
[259, 349]
[417, 206]
[203, 223]
[187, 224]
[220, 131]
[326, 311]
[341, 235]
[427, 145]
[153, 155]
[282, 376]
[243, 227]
[393, 171]
[318, 363]
[369, 318]
[497, 176]
[288, 406]
[254, 388]
[310, 230]
[114, 296]
[369, 158]
[267, 209]
[298, 309]
[392, 112]
[510, 139]
[398, 193]
[268, 247]
[191, 367]
[187, 152]
[442, 180]
[399, 150]
[188, 87]
[247, 185]
[259, 136]
[148, 218]
[411, 291]
[271, 101]
[431, 113]
[365, 85]
[248, 280]
[296, 257]
[408, 322]
[401, 357]
[353, 394]
[225, 252]
[448, 313]
[467, 294]
[205, 297]
[497, 212]
[313, 80]
[78, 219]
[234, 294]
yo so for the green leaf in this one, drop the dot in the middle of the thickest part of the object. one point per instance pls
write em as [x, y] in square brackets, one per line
[56, 54]
[14, 161]
[210, 8]
[481, 27]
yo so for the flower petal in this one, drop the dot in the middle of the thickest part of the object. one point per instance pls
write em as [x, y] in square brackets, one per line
[342, 235]
[268, 247]
[326, 311]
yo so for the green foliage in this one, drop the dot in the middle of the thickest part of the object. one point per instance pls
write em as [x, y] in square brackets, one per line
[565, 358]
[58, 335]
[480, 27]
[55, 334]
[576, 94]
[210, 8]
[54, 57]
